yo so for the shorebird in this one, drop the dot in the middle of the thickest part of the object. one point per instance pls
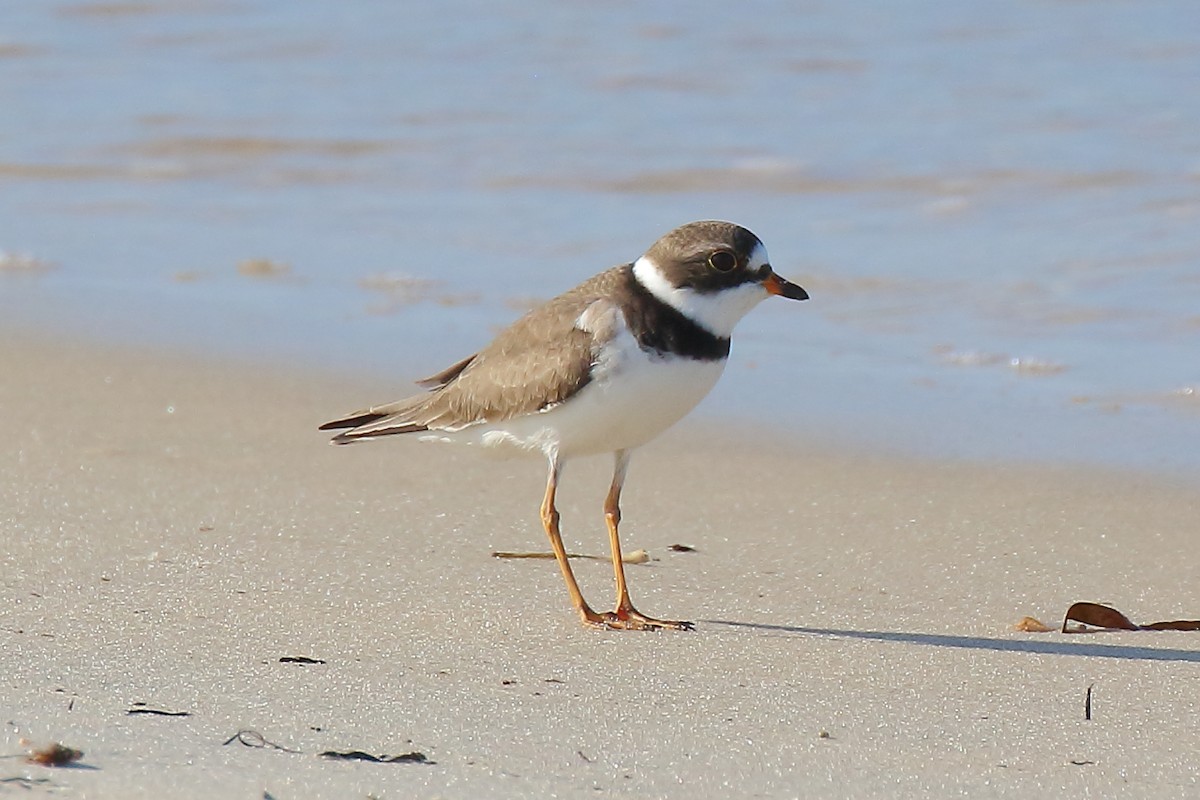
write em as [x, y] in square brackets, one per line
[602, 368]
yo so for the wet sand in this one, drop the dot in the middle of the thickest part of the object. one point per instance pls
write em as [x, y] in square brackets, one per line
[173, 527]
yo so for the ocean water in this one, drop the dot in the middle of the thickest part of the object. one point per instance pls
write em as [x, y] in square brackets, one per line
[995, 207]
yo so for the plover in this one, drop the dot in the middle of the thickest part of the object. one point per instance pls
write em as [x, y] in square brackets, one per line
[603, 368]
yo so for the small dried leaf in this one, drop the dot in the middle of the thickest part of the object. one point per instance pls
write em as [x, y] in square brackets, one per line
[54, 755]
[636, 557]
[1032, 625]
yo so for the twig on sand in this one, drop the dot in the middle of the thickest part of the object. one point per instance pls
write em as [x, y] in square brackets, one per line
[255, 739]
[358, 755]
[632, 557]
[251, 738]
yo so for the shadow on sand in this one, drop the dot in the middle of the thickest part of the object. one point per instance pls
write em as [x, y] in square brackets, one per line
[1089, 649]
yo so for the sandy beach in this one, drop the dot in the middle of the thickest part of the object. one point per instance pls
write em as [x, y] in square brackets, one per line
[225, 223]
[174, 527]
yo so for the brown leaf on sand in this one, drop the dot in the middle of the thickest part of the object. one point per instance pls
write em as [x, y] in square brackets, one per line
[54, 755]
[1092, 617]
[1173, 625]
[1032, 625]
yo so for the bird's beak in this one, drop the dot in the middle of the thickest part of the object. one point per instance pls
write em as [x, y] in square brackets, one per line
[784, 288]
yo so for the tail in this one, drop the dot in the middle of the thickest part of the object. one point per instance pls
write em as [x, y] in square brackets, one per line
[372, 423]
[411, 415]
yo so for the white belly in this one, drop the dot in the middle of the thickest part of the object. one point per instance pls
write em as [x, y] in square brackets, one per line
[631, 399]
[625, 410]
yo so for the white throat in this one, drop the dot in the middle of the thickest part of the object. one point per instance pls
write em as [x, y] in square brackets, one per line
[717, 312]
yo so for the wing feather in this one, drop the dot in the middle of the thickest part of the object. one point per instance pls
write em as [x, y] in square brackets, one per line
[537, 362]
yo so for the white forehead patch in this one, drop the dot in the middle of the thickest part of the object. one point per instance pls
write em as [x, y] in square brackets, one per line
[717, 312]
[758, 257]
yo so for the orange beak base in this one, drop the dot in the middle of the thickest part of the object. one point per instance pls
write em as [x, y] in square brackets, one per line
[784, 288]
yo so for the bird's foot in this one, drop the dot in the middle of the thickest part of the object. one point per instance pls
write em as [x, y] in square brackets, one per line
[630, 619]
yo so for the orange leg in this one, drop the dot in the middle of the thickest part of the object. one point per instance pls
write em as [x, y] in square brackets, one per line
[625, 616]
[550, 523]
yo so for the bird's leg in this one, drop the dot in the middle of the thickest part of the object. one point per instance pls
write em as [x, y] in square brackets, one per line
[550, 523]
[625, 616]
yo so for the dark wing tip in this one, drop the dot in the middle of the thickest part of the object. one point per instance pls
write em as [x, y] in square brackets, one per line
[357, 435]
[351, 422]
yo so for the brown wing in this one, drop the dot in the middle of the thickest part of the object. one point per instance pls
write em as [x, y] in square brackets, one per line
[539, 361]
[448, 374]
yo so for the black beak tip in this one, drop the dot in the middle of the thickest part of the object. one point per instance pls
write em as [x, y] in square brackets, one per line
[791, 290]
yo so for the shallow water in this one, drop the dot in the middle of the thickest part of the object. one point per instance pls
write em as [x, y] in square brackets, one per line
[997, 215]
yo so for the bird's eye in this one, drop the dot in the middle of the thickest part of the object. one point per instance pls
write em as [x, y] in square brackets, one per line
[722, 261]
